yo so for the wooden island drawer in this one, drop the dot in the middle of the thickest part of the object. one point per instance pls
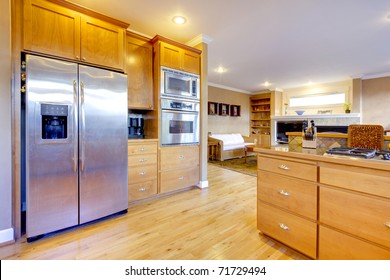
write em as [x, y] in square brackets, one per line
[298, 169]
[142, 189]
[142, 148]
[141, 160]
[296, 195]
[142, 173]
[296, 232]
[334, 245]
[365, 216]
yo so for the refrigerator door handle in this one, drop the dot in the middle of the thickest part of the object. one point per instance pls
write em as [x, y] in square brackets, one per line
[82, 128]
[75, 155]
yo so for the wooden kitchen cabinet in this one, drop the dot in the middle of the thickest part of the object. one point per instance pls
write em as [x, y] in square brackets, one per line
[142, 169]
[287, 202]
[139, 66]
[177, 56]
[179, 167]
[69, 31]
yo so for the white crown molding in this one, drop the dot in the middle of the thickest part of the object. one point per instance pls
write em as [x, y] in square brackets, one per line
[229, 88]
[201, 38]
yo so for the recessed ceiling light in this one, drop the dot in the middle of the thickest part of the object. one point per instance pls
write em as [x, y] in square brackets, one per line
[179, 19]
[221, 69]
[266, 84]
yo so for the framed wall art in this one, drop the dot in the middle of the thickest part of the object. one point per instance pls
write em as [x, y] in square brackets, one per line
[213, 108]
[235, 110]
[223, 109]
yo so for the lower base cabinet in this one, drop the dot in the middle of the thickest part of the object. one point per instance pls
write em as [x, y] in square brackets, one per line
[179, 167]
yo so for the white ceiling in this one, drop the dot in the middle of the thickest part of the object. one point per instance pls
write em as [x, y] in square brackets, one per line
[285, 42]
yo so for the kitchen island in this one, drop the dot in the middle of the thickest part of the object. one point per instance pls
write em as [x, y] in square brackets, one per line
[325, 206]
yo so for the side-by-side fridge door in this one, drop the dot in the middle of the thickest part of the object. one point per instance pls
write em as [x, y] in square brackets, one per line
[51, 145]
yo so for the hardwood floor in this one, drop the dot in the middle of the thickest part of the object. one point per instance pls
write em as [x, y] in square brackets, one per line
[214, 223]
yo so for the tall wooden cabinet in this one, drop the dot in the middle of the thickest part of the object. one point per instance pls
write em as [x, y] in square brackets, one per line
[139, 66]
[66, 30]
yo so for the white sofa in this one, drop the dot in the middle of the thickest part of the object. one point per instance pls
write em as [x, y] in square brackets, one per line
[229, 145]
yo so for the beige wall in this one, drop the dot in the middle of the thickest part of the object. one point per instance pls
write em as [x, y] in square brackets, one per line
[227, 124]
[376, 101]
[6, 231]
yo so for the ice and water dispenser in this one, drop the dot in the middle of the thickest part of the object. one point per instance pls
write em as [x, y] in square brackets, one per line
[54, 121]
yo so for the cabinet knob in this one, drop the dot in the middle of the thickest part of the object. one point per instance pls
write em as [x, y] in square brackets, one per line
[283, 192]
[143, 189]
[283, 226]
[181, 178]
[83, 59]
[387, 224]
[77, 57]
[283, 167]
[142, 173]
[142, 160]
[181, 157]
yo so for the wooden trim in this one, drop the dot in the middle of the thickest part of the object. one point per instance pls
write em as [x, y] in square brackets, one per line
[169, 41]
[89, 12]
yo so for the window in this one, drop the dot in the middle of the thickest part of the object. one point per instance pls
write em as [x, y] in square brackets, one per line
[326, 99]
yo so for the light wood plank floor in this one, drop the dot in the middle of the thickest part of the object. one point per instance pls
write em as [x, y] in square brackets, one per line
[214, 223]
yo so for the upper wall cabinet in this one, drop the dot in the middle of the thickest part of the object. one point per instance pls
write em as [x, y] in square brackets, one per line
[66, 30]
[139, 66]
[178, 56]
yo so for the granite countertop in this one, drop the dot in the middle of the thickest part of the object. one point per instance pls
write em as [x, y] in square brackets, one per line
[320, 155]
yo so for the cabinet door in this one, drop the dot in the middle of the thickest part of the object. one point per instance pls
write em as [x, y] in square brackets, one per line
[191, 62]
[51, 29]
[102, 43]
[139, 60]
[170, 56]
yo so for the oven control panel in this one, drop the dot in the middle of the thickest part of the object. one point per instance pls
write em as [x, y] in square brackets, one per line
[179, 105]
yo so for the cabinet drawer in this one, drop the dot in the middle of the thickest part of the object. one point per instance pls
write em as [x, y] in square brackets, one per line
[354, 178]
[144, 148]
[179, 157]
[142, 173]
[289, 229]
[360, 215]
[293, 194]
[306, 171]
[142, 189]
[143, 159]
[179, 179]
[333, 245]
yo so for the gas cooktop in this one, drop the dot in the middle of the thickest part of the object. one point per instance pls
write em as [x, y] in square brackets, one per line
[354, 152]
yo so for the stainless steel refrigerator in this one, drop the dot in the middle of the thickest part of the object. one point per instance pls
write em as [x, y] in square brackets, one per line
[76, 144]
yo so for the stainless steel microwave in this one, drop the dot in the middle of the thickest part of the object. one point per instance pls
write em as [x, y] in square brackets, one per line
[179, 84]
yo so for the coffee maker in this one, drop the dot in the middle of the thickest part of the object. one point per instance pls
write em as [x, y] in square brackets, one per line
[136, 126]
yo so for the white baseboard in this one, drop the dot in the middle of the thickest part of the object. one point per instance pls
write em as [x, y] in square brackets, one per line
[6, 235]
[203, 184]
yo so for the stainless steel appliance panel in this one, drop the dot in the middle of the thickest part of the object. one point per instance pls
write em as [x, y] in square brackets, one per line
[103, 143]
[51, 164]
[179, 84]
[179, 127]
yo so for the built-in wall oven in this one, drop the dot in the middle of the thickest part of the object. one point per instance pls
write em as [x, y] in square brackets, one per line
[179, 122]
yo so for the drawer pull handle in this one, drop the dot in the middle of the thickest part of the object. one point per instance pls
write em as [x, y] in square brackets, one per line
[284, 167]
[142, 173]
[283, 192]
[143, 189]
[283, 226]
[181, 178]
[387, 224]
[181, 157]
[142, 149]
[143, 160]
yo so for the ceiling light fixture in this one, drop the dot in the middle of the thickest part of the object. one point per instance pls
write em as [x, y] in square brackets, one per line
[179, 20]
[266, 84]
[220, 69]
